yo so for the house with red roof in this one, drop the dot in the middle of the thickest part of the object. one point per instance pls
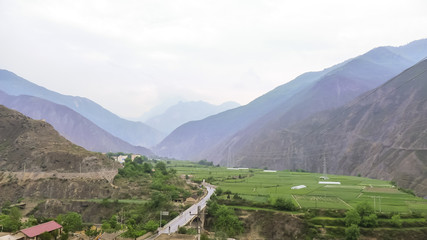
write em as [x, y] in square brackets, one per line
[34, 231]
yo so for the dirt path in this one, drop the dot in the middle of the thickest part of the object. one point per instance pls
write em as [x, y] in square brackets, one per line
[108, 175]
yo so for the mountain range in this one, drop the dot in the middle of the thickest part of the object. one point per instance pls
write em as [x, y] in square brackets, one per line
[226, 137]
[135, 133]
[381, 134]
[70, 124]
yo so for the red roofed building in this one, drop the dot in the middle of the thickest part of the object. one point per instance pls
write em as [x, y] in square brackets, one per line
[33, 232]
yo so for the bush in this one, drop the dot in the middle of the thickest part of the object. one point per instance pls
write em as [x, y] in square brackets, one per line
[395, 220]
[370, 221]
[182, 230]
[352, 232]
[285, 204]
[352, 217]
[151, 226]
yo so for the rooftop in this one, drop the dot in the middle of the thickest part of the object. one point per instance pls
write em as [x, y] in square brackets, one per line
[41, 228]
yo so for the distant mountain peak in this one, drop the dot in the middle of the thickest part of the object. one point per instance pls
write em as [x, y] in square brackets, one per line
[186, 111]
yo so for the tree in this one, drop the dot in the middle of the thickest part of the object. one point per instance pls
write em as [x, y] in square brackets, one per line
[71, 221]
[284, 204]
[352, 232]
[370, 221]
[218, 191]
[12, 221]
[364, 209]
[226, 221]
[158, 200]
[147, 167]
[113, 222]
[352, 217]
[367, 215]
[151, 226]
[161, 166]
[139, 160]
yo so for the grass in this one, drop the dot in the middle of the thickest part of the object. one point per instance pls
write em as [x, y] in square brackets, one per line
[259, 186]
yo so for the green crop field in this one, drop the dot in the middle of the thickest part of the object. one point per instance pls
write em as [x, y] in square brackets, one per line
[259, 186]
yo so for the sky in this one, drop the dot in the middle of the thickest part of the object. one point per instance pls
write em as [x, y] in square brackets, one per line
[133, 55]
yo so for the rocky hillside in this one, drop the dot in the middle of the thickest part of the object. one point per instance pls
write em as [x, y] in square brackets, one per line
[36, 146]
[382, 134]
[135, 133]
[69, 124]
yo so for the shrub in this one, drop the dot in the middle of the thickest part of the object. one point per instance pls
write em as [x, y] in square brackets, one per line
[395, 220]
[285, 204]
[352, 232]
[370, 221]
[352, 217]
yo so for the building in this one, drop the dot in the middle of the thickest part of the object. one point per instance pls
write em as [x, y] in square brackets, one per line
[35, 231]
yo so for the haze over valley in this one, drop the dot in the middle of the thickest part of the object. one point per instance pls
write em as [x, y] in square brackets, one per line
[216, 117]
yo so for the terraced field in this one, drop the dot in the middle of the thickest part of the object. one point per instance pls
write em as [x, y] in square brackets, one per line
[259, 186]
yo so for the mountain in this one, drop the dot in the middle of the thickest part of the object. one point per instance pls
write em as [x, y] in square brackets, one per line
[226, 137]
[381, 134]
[183, 112]
[34, 145]
[136, 133]
[69, 124]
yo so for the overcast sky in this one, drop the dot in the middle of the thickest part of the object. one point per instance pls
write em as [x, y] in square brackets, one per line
[130, 56]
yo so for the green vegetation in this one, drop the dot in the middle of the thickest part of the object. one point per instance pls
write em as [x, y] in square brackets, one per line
[356, 207]
[224, 219]
[352, 232]
[259, 187]
[71, 221]
[159, 183]
[11, 221]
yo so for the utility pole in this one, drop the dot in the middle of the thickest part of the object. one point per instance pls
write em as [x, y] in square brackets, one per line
[324, 164]
[198, 214]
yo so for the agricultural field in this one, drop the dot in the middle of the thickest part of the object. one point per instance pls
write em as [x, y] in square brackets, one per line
[259, 186]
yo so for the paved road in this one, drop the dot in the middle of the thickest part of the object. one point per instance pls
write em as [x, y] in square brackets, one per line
[185, 216]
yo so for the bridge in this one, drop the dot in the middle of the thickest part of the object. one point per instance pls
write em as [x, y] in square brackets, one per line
[193, 216]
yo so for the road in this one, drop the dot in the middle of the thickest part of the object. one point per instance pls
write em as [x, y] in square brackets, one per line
[187, 215]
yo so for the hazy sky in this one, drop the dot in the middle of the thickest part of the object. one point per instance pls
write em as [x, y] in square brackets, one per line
[130, 56]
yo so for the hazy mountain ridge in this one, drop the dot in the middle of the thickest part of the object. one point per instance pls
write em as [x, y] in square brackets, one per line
[183, 112]
[334, 89]
[219, 137]
[69, 124]
[136, 133]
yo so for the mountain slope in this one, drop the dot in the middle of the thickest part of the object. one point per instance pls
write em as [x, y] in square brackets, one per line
[36, 146]
[226, 136]
[183, 112]
[382, 134]
[69, 124]
[136, 133]
[338, 87]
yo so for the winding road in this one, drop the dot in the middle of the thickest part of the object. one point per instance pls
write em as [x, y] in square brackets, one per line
[188, 214]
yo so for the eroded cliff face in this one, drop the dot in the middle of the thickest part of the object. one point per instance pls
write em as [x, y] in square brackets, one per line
[51, 187]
